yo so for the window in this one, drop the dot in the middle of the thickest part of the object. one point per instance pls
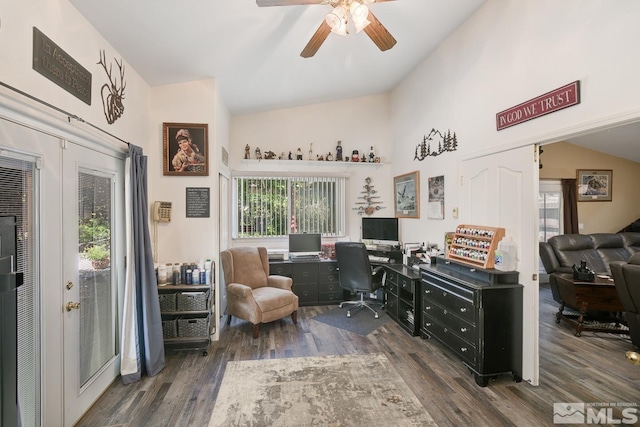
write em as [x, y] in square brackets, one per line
[274, 206]
[550, 205]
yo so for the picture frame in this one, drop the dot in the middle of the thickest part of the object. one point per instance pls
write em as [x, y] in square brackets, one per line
[407, 195]
[435, 208]
[185, 160]
[594, 185]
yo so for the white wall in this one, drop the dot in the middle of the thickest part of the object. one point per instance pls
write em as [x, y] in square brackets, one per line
[185, 239]
[359, 123]
[505, 54]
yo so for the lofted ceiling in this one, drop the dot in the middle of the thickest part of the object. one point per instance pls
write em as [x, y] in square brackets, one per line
[254, 52]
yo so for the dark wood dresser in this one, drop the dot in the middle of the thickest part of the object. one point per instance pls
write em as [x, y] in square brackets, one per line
[475, 312]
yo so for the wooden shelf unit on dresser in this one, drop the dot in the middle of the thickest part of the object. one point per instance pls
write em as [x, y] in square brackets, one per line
[475, 245]
[188, 315]
[477, 314]
[402, 295]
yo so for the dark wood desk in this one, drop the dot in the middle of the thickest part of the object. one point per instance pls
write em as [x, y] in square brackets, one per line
[599, 295]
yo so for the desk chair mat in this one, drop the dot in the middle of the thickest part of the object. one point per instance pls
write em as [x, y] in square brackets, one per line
[361, 321]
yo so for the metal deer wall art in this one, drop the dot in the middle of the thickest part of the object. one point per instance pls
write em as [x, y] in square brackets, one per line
[445, 143]
[112, 95]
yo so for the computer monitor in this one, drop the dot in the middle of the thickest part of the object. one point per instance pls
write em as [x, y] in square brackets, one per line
[305, 244]
[380, 230]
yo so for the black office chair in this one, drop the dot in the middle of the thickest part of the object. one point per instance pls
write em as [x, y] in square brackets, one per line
[356, 274]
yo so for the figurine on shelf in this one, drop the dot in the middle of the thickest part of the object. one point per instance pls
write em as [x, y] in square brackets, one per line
[372, 155]
[281, 156]
[355, 156]
[269, 155]
[363, 158]
[290, 155]
[299, 154]
[247, 152]
[258, 153]
[320, 158]
[329, 157]
[339, 152]
[311, 151]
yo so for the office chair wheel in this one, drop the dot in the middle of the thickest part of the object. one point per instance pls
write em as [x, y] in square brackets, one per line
[349, 313]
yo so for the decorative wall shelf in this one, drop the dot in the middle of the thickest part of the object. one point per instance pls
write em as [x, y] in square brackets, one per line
[475, 244]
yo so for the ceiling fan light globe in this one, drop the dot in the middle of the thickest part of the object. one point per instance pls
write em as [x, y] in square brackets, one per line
[358, 10]
[360, 24]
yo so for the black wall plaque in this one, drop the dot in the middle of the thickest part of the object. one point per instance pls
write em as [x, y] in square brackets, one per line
[56, 65]
[198, 202]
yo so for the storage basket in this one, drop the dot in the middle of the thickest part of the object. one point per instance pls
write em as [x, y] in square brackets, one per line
[169, 328]
[167, 302]
[193, 301]
[193, 327]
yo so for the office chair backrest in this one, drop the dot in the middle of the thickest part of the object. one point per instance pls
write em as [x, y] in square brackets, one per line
[354, 266]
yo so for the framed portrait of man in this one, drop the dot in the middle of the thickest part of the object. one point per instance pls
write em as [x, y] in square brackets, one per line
[185, 149]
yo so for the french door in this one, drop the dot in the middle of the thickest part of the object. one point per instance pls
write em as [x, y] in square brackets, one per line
[92, 204]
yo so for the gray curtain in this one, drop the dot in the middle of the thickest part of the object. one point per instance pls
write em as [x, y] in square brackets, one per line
[142, 350]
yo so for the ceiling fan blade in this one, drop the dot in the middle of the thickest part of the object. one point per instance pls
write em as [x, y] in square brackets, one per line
[378, 33]
[264, 3]
[316, 41]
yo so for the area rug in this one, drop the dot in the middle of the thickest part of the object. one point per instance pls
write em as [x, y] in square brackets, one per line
[361, 322]
[351, 390]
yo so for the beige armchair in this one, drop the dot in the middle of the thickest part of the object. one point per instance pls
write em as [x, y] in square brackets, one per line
[252, 294]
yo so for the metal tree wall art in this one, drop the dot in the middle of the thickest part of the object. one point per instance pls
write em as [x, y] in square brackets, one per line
[445, 143]
[368, 205]
[112, 95]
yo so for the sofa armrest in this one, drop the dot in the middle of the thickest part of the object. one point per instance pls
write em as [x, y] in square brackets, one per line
[281, 282]
[239, 290]
[548, 257]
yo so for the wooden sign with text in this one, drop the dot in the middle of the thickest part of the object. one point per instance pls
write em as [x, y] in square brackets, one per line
[563, 97]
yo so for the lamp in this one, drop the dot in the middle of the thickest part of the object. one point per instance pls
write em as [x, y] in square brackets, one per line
[338, 21]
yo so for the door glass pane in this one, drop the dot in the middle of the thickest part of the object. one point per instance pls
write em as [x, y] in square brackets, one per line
[17, 196]
[550, 205]
[97, 336]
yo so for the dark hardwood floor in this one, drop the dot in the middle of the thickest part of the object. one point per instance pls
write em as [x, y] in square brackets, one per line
[590, 368]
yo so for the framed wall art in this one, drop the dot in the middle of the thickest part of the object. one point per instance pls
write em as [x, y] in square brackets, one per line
[594, 185]
[185, 150]
[407, 195]
[436, 197]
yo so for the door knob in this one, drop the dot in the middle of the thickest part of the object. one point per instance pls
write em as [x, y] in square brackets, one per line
[71, 305]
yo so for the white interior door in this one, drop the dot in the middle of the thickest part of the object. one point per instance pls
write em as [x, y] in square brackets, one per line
[92, 204]
[501, 190]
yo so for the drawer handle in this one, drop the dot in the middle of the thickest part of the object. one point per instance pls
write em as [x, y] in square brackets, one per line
[428, 307]
[428, 324]
[446, 330]
[444, 294]
[463, 329]
[473, 270]
[444, 311]
[447, 262]
[463, 310]
[464, 349]
[427, 291]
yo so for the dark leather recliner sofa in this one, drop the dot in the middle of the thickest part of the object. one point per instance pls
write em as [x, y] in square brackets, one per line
[560, 253]
[627, 279]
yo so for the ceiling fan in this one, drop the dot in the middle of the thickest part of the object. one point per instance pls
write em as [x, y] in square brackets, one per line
[337, 22]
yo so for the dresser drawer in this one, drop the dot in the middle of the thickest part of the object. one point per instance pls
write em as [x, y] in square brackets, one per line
[326, 277]
[451, 322]
[328, 268]
[459, 302]
[462, 348]
[305, 273]
[329, 287]
[330, 297]
[392, 277]
[307, 294]
[281, 269]
[406, 284]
